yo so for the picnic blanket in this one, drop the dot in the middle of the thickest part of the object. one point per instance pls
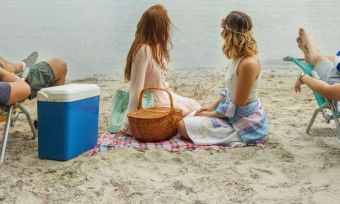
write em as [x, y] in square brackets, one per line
[108, 141]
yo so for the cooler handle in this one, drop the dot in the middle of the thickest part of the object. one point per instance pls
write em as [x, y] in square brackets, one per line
[45, 95]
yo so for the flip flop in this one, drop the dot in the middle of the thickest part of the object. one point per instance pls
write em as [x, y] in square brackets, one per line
[289, 58]
[31, 59]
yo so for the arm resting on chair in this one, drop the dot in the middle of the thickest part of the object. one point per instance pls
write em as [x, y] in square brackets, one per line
[321, 87]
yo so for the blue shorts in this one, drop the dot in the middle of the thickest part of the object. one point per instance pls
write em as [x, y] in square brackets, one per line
[5, 92]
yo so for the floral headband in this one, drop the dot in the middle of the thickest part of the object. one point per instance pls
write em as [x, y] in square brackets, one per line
[224, 26]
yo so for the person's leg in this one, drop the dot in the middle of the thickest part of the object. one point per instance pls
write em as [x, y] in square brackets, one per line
[309, 48]
[333, 59]
[19, 90]
[18, 67]
[303, 49]
[182, 131]
[46, 74]
[11, 67]
[59, 68]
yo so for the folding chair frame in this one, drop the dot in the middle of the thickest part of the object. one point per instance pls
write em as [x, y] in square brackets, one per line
[9, 123]
[322, 102]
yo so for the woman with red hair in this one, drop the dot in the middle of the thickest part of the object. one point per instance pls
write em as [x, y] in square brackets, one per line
[147, 61]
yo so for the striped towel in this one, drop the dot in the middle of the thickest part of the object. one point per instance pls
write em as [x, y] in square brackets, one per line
[249, 121]
[108, 141]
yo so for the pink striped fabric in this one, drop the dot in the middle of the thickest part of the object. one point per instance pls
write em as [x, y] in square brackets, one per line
[108, 141]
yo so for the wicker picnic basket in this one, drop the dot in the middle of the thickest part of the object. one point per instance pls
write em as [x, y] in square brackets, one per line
[156, 123]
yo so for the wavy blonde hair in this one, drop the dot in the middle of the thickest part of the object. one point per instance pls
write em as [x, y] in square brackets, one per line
[238, 36]
[153, 29]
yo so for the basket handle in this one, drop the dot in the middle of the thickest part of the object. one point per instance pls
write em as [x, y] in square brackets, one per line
[172, 109]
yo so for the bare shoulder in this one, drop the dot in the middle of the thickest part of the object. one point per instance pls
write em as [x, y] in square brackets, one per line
[250, 64]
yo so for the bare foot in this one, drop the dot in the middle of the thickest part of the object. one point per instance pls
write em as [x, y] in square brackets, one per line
[312, 50]
[303, 48]
[300, 45]
[305, 39]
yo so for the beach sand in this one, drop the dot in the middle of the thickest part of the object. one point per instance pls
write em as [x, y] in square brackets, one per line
[294, 167]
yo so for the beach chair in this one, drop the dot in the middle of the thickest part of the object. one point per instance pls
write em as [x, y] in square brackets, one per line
[10, 115]
[328, 108]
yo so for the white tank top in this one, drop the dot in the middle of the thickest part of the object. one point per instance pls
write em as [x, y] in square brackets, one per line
[231, 78]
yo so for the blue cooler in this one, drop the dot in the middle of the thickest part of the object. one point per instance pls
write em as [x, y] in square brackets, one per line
[67, 120]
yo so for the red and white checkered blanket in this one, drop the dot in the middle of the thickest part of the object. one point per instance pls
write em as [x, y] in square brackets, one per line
[108, 141]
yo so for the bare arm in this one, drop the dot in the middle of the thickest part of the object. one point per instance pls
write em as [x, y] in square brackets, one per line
[7, 76]
[210, 109]
[321, 87]
[248, 71]
[210, 114]
[214, 105]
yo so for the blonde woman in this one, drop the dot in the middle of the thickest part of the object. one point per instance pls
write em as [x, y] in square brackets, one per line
[147, 59]
[237, 115]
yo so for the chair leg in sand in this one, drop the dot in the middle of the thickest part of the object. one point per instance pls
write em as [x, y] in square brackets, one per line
[9, 123]
[319, 109]
[336, 116]
[324, 104]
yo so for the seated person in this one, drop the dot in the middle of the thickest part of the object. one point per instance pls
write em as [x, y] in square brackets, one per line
[40, 75]
[12, 88]
[328, 86]
[147, 62]
[237, 115]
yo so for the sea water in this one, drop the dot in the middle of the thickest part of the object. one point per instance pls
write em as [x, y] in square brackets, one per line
[93, 37]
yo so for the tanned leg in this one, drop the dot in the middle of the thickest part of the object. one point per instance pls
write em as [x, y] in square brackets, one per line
[11, 67]
[182, 131]
[59, 68]
[309, 48]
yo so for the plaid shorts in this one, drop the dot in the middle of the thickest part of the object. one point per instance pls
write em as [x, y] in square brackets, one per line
[40, 76]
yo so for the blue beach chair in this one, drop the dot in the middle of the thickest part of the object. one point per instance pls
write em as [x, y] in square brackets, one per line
[324, 104]
[11, 114]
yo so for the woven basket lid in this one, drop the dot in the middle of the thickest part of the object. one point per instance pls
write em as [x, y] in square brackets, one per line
[151, 113]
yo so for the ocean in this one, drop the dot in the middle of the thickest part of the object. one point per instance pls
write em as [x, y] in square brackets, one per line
[93, 37]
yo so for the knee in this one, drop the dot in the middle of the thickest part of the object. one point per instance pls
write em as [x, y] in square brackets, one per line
[20, 91]
[26, 90]
[60, 64]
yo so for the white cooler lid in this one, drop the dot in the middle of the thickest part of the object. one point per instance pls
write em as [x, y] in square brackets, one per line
[68, 93]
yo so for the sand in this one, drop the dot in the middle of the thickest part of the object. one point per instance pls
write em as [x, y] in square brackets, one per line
[294, 167]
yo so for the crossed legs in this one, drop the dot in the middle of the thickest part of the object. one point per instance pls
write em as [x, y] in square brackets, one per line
[11, 67]
[59, 68]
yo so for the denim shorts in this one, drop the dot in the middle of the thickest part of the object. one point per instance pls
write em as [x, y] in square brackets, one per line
[5, 92]
[40, 76]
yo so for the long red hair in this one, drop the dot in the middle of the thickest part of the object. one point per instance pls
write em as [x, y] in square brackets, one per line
[153, 29]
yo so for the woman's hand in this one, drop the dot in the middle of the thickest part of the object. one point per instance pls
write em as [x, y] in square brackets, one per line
[199, 112]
